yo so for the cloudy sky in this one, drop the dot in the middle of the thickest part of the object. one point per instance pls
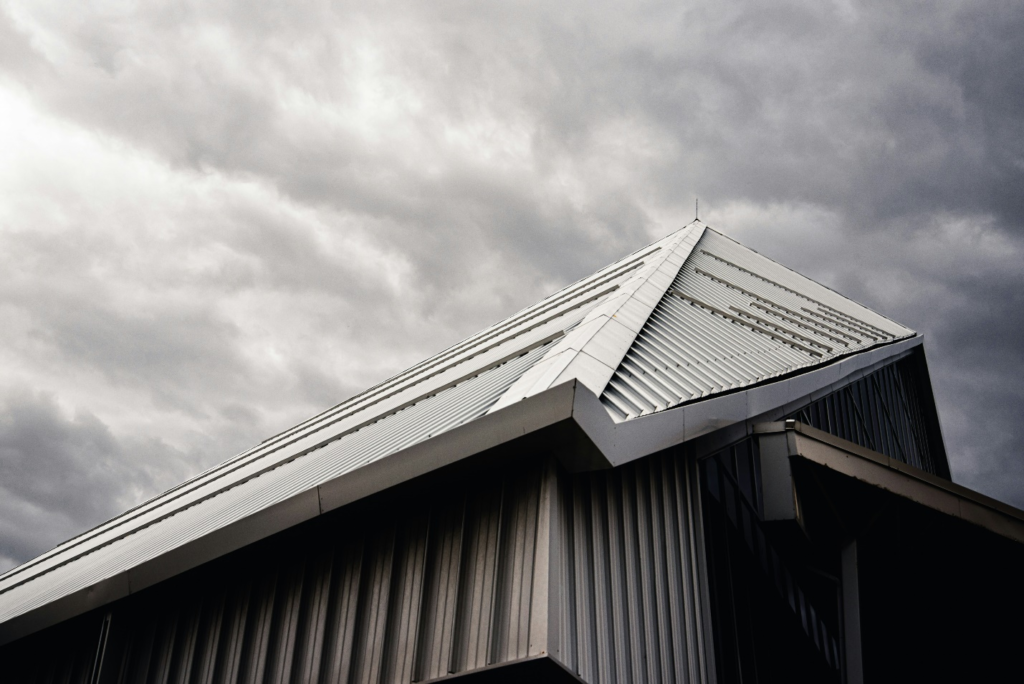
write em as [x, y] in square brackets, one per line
[218, 218]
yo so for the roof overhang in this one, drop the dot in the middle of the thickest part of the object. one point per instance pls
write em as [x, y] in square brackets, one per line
[789, 443]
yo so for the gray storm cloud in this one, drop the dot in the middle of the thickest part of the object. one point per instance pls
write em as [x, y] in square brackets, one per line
[218, 218]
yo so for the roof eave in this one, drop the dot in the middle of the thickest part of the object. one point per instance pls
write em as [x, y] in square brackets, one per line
[622, 442]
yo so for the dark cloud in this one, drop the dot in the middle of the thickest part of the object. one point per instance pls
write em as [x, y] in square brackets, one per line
[60, 475]
[218, 218]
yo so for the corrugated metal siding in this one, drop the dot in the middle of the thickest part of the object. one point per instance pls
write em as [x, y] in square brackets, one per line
[733, 318]
[633, 607]
[405, 591]
[887, 411]
[435, 579]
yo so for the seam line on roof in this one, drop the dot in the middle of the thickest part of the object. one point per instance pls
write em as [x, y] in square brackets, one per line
[747, 324]
[843, 316]
[859, 329]
[817, 331]
[636, 295]
[644, 384]
[777, 376]
[278, 464]
[778, 326]
[794, 292]
[810, 324]
[485, 335]
[711, 369]
[811, 280]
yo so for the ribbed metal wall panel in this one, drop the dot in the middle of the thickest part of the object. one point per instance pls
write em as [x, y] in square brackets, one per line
[416, 585]
[403, 591]
[633, 603]
[733, 318]
[886, 411]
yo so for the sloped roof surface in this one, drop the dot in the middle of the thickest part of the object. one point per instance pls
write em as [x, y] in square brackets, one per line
[733, 318]
[689, 316]
[447, 390]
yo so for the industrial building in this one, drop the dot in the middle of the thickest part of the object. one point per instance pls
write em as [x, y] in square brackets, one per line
[695, 465]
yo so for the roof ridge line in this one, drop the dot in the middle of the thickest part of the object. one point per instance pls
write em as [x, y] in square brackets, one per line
[592, 352]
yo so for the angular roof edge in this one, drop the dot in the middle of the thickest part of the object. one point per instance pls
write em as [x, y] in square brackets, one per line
[570, 406]
[594, 349]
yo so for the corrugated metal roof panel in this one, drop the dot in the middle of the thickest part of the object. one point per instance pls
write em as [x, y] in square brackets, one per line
[733, 318]
[591, 354]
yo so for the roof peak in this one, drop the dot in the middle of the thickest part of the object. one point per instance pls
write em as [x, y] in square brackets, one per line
[701, 314]
[592, 351]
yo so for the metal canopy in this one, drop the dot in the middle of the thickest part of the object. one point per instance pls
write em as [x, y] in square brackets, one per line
[782, 442]
[690, 317]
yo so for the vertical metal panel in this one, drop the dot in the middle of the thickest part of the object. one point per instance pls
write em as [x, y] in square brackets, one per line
[633, 608]
[476, 583]
[514, 589]
[883, 412]
[211, 625]
[449, 583]
[402, 592]
[405, 604]
[313, 623]
[344, 604]
[579, 636]
[441, 586]
[375, 592]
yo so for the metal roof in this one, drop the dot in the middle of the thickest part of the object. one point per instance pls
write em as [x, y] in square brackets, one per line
[734, 318]
[689, 316]
[449, 389]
